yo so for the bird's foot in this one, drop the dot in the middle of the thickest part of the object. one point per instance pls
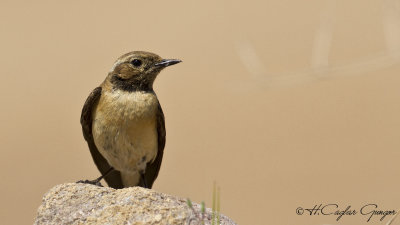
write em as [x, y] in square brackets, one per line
[93, 182]
[97, 181]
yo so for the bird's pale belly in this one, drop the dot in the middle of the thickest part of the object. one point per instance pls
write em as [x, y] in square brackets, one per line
[124, 130]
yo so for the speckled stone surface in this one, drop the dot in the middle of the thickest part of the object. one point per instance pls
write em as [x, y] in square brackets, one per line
[88, 204]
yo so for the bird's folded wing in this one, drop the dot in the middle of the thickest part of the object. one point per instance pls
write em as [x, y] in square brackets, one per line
[152, 168]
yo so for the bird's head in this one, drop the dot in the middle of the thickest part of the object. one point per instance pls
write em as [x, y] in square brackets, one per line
[137, 70]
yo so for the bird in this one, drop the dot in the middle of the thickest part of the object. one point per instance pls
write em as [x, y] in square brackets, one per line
[123, 122]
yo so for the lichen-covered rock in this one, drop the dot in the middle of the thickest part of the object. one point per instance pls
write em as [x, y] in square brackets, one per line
[77, 203]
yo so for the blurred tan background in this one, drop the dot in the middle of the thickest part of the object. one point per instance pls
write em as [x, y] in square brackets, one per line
[284, 103]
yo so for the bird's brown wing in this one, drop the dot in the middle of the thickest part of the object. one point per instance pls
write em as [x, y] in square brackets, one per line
[114, 178]
[152, 168]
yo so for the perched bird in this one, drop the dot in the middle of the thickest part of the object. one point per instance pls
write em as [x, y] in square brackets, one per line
[123, 123]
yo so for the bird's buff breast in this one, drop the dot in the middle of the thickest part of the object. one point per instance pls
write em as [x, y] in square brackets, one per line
[124, 129]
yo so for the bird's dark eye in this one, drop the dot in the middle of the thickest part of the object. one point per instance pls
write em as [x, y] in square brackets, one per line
[136, 62]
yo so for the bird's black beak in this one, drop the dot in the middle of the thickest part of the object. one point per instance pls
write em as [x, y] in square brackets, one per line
[167, 62]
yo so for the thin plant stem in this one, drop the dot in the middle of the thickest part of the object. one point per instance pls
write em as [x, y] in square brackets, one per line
[213, 203]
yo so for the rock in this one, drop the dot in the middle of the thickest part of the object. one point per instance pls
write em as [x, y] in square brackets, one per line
[89, 204]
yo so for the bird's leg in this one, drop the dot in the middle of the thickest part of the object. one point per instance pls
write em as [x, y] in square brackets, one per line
[141, 165]
[143, 178]
[97, 181]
